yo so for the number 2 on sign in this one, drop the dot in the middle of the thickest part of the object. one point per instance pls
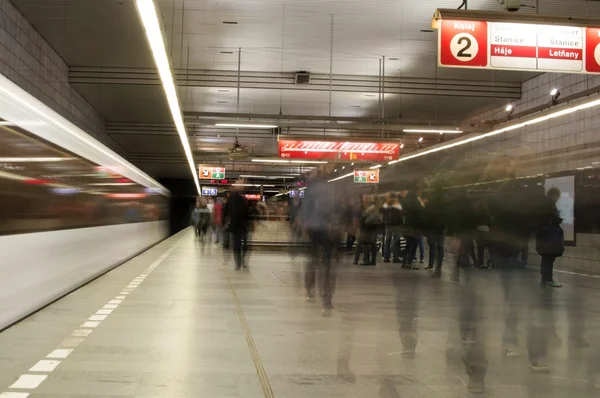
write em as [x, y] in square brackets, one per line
[464, 47]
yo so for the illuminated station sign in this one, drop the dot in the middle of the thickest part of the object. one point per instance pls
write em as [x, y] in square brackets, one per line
[339, 150]
[519, 46]
[366, 176]
[211, 172]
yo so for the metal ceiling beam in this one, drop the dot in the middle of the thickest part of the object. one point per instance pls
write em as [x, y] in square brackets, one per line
[318, 82]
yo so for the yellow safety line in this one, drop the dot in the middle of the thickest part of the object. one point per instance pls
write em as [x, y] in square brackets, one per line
[260, 369]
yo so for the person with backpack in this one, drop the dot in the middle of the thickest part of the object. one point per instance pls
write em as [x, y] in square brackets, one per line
[371, 220]
[201, 219]
[550, 240]
[393, 218]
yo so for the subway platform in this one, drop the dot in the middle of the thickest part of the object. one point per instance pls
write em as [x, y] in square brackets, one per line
[176, 322]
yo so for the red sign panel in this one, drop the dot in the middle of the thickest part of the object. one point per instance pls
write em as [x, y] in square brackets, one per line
[519, 46]
[592, 50]
[464, 43]
[339, 151]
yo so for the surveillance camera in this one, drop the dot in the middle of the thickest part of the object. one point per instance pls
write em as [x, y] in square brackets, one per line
[512, 5]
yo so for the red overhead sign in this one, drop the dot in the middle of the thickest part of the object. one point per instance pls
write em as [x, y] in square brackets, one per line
[519, 46]
[339, 151]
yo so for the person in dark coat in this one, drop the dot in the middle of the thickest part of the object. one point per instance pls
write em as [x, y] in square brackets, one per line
[393, 218]
[370, 221]
[413, 214]
[317, 215]
[434, 227]
[549, 238]
[237, 218]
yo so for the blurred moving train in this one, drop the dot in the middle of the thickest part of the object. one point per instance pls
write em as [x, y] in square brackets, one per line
[70, 208]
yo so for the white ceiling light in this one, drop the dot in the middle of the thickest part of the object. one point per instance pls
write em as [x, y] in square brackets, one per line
[309, 161]
[420, 139]
[516, 126]
[248, 126]
[251, 176]
[149, 17]
[509, 108]
[259, 160]
[33, 160]
[432, 131]
[377, 166]
[339, 178]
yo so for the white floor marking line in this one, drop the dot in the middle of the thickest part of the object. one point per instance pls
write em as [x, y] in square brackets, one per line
[29, 382]
[44, 366]
[32, 381]
[81, 332]
[60, 353]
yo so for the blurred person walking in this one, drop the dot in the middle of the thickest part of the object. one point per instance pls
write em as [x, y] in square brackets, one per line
[217, 220]
[237, 216]
[201, 219]
[351, 219]
[550, 242]
[413, 213]
[317, 215]
[435, 216]
[393, 218]
[483, 222]
[370, 221]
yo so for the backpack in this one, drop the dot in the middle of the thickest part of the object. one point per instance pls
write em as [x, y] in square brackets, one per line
[373, 219]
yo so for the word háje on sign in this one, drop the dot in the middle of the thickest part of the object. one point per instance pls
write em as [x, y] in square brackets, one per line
[212, 172]
[366, 176]
[519, 46]
[339, 151]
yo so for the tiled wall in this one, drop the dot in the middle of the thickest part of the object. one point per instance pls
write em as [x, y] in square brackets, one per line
[29, 61]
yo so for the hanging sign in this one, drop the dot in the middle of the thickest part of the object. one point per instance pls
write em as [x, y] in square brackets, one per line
[339, 150]
[212, 172]
[209, 191]
[518, 46]
[366, 176]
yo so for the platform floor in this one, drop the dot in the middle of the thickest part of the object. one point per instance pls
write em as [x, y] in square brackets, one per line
[176, 322]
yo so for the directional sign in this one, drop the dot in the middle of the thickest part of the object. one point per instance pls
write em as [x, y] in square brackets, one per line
[519, 46]
[339, 150]
[209, 191]
[366, 176]
[212, 172]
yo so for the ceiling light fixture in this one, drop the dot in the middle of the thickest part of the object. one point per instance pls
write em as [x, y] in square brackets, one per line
[33, 160]
[437, 131]
[555, 95]
[420, 139]
[401, 146]
[230, 22]
[340, 177]
[515, 126]
[149, 17]
[221, 102]
[309, 161]
[248, 126]
[226, 52]
[377, 166]
[259, 160]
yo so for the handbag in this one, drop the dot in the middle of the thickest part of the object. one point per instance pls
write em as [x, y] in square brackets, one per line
[550, 240]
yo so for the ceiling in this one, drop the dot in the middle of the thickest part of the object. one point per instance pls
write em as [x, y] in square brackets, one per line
[111, 66]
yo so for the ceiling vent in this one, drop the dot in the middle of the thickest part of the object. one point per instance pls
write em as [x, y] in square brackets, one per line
[302, 78]
[238, 152]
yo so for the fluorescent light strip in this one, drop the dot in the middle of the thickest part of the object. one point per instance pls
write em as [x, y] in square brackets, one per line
[437, 131]
[378, 166]
[149, 17]
[248, 126]
[289, 161]
[339, 178]
[31, 160]
[537, 120]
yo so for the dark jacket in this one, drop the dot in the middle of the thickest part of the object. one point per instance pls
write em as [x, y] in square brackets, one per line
[236, 213]
[393, 214]
[413, 215]
[550, 240]
[435, 216]
[317, 210]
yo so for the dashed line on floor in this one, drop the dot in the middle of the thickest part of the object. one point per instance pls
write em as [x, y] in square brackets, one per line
[260, 369]
[41, 370]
